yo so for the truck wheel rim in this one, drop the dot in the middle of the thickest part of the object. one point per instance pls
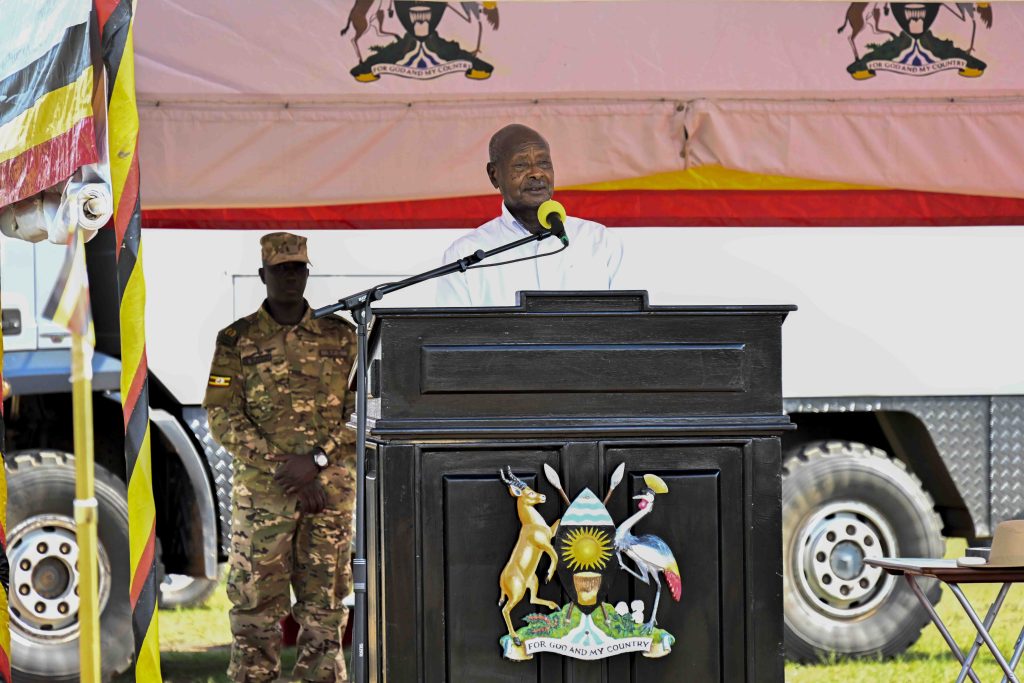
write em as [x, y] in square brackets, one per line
[174, 583]
[44, 601]
[829, 559]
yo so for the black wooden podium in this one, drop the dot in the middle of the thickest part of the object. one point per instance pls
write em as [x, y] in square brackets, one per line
[581, 381]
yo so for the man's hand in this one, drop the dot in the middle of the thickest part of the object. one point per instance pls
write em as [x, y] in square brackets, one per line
[295, 471]
[312, 498]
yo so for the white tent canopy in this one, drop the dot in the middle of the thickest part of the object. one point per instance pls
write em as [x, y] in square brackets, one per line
[260, 107]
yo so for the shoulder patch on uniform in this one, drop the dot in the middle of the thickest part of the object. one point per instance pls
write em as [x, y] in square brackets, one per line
[344, 323]
[227, 337]
[242, 325]
[220, 381]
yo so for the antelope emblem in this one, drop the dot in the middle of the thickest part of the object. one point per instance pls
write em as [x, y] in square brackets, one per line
[520, 574]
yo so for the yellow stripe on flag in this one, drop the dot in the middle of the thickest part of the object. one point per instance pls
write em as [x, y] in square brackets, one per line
[141, 508]
[714, 177]
[123, 120]
[147, 668]
[5, 631]
[53, 114]
[133, 335]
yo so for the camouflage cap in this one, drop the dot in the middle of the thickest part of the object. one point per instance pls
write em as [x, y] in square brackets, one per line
[282, 247]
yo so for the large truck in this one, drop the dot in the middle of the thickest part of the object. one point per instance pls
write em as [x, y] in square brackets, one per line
[900, 368]
[903, 384]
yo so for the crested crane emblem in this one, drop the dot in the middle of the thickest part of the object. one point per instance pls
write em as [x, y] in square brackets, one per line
[650, 555]
[587, 551]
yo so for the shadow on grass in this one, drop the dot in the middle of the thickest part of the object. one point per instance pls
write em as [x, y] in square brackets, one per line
[204, 666]
[932, 657]
[909, 656]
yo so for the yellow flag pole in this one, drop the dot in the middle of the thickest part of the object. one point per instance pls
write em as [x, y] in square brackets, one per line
[86, 513]
[5, 619]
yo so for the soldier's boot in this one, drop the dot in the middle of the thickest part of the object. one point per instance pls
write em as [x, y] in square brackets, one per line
[319, 657]
[252, 665]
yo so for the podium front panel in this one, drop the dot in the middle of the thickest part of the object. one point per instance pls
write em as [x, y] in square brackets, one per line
[464, 527]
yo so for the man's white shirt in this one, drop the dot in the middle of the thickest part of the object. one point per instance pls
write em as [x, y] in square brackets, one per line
[590, 262]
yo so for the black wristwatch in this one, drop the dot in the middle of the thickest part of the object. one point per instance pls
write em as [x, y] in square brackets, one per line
[320, 458]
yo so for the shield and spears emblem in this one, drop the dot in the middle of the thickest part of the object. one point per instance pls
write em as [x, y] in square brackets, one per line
[584, 547]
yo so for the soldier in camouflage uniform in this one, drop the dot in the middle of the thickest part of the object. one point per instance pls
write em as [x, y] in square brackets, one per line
[277, 400]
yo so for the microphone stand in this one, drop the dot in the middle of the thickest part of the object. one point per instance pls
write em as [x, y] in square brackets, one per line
[359, 304]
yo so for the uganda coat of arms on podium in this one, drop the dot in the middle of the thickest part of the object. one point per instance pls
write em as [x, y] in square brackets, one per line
[586, 549]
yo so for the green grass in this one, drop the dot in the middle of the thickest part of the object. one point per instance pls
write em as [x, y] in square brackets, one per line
[191, 630]
[194, 644]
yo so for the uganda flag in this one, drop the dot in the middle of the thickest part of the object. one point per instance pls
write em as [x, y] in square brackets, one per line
[47, 94]
[69, 302]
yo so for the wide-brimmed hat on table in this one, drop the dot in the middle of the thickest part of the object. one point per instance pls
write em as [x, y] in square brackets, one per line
[1007, 548]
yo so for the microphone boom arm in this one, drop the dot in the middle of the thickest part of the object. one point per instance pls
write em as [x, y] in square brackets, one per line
[368, 296]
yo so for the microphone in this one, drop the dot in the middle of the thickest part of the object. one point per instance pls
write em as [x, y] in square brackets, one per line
[551, 215]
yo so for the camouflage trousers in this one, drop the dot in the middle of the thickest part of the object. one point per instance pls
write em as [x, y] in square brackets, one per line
[271, 553]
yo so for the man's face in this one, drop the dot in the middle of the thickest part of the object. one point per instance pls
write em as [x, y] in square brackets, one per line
[524, 174]
[286, 282]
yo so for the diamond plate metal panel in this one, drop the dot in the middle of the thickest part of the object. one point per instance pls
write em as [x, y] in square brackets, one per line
[959, 426]
[220, 466]
[1007, 458]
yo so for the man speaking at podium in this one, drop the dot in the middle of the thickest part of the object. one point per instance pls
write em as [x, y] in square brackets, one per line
[520, 168]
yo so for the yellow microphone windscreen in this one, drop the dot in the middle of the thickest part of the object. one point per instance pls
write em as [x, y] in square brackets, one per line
[546, 209]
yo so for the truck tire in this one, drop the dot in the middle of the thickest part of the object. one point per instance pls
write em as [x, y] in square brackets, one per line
[178, 591]
[43, 552]
[842, 503]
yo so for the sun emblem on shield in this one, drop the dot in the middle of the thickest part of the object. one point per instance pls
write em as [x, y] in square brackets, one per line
[586, 548]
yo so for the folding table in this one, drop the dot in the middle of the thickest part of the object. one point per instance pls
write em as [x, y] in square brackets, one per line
[948, 572]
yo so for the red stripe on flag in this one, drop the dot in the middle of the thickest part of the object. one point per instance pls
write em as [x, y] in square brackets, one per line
[5, 666]
[104, 8]
[136, 388]
[79, 322]
[757, 208]
[629, 208]
[144, 567]
[426, 213]
[47, 163]
[126, 203]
